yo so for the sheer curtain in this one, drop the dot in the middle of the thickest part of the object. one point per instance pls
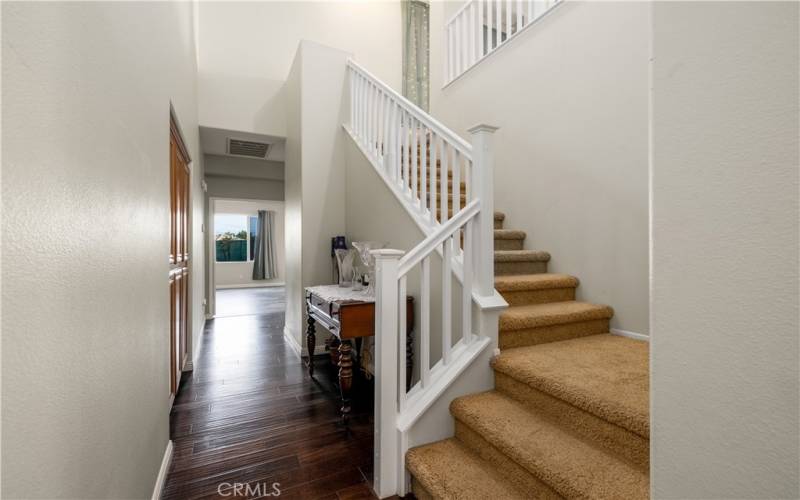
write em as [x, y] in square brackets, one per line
[416, 37]
[264, 258]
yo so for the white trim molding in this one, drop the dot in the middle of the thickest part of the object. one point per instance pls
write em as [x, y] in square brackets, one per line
[630, 335]
[162, 472]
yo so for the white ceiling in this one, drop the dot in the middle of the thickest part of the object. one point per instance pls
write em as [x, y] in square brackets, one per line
[214, 141]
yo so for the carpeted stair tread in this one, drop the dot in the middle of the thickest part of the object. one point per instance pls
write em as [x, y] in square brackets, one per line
[521, 282]
[448, 469]
[605, 375]
[553, 313]
[521, 256]
[509, 234]
[571, 465]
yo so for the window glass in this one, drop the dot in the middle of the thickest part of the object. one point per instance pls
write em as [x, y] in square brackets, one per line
[230, 235]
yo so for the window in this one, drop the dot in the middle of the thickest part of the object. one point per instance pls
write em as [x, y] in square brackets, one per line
[231, 237]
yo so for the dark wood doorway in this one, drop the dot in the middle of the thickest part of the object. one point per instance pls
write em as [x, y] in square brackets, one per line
[179, 254]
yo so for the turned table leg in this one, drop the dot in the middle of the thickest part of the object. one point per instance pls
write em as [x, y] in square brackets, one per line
[345, 377]
[311, 343]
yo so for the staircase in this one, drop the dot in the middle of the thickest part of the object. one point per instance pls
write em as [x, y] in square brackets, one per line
[568, 417]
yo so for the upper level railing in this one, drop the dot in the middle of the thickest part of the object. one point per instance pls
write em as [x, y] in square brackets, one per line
[480, 27]
[446, 184]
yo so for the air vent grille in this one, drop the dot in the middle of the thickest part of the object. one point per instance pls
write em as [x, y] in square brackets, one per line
[247, 148]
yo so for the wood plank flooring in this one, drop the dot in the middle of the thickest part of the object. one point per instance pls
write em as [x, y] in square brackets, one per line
[249, 413]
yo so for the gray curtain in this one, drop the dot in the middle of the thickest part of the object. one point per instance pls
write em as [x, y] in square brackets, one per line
[416, 77]
[264, 257]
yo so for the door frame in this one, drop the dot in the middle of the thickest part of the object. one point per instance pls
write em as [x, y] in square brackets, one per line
[211, 249]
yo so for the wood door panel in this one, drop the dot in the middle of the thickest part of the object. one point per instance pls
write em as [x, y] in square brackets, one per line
[179, 250]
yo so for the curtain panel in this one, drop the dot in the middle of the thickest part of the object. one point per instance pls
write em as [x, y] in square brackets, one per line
[264, 258]
[416, 59]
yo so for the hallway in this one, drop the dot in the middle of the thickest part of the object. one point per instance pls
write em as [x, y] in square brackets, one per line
[250, 414]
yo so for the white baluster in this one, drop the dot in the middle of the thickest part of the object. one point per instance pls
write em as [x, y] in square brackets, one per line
[386, 376]
[489, 28]
[466, 284]
[519, 16]
[456, 189]
[406, 151]
[423, 169]
[530, 10]
[401, 344]
[499, 34]
[509, 5]
[442, 172]
[451, 70]
[433, 177]
[425, 323]
[447, 302]
[414, 158]
[387, 107]
[483, 166]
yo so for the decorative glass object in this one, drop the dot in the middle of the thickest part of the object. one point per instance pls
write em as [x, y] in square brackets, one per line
[345, 262]
[365, 252]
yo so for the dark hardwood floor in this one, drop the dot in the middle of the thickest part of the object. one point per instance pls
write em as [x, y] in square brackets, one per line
[250, 414]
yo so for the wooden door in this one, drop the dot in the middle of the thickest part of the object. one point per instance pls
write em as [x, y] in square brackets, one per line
[178, 256]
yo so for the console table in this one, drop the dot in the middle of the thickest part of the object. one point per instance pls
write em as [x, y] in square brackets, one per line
[348, 315]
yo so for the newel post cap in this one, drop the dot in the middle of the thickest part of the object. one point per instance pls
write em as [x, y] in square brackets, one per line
[483, 127]
[387, 253]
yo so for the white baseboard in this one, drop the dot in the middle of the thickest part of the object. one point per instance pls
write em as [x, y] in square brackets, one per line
[162, 472]
[249, 285]
[287, 335]
[630, 335]
[300, 351]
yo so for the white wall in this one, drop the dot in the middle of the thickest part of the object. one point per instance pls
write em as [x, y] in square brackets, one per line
[570, 98]
[247, 48]
[233, 274]
[724, 370]
[315, 172]
[85, 368]
[294, 205]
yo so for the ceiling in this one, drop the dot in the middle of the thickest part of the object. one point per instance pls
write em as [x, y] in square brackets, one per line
[214, 141]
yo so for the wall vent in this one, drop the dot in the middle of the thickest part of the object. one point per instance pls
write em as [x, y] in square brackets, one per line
[250, 149]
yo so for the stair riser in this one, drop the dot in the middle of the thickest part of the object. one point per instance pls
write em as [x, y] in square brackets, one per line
[509, 268]
[610, 436]
[518, 476]
[552, 333]
[508, 244]
[525, 297]
[419, 491]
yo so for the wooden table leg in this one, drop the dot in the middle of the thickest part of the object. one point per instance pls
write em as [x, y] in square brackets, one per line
[311, 343]
[345, 377]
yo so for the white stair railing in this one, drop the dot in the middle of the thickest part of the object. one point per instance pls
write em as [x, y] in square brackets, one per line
[424, 164]
[480, 27]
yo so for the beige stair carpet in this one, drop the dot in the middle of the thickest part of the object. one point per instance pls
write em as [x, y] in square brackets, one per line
[569, 417]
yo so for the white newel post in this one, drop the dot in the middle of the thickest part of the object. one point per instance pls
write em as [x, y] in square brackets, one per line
[483, 189]
[387, 446]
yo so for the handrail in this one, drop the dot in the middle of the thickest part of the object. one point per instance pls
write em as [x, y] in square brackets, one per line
[429, 244]
[432, 172]
[418, 112]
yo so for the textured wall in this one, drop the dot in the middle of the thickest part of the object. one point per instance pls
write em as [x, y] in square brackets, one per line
[724, 345]
[86, 97]
[249, 47]
[570, 98]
